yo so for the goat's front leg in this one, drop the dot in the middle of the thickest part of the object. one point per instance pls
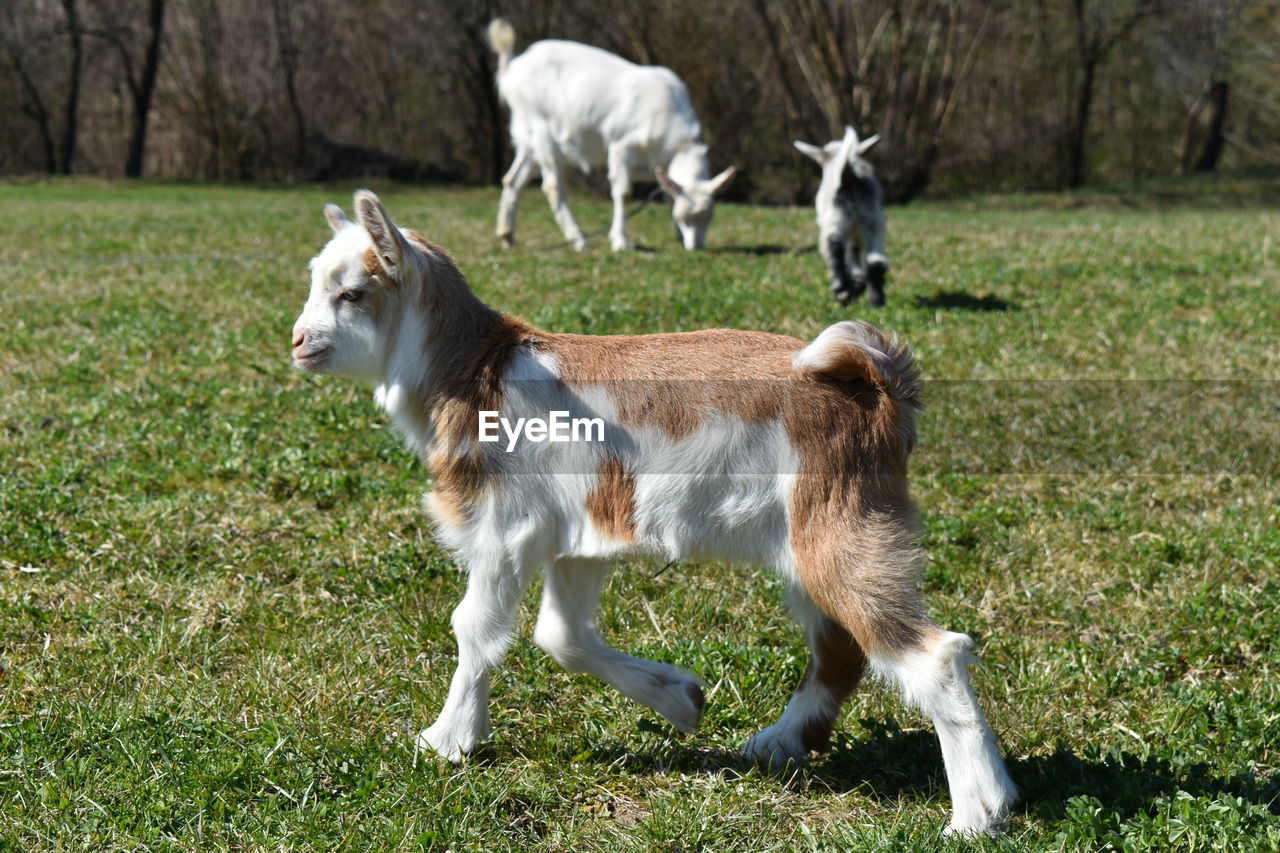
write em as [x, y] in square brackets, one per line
[484, 622]
[566, 630]
[554, 189]
[620, 188]
[845, 286]
[877, 261]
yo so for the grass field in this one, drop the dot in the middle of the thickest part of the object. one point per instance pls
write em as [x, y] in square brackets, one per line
[222, 616]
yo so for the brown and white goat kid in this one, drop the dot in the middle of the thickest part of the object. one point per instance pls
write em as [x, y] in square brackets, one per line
[738, 445]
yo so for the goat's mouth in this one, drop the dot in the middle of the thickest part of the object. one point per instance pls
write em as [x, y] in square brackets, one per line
[311, 358]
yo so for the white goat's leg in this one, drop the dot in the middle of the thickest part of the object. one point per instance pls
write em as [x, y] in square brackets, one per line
[484, 622]
[566, 631]
[513, 184]
[936, 678]
[620, 188]
[836, 665]
[554, 189]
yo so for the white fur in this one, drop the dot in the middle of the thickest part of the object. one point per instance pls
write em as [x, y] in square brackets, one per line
[937, 681]
[576, 104]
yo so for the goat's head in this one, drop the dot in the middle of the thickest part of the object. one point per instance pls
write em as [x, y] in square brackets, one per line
[827, 156]
[693, 193]
[357, 282]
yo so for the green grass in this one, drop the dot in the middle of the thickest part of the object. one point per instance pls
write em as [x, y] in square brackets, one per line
[222, 616]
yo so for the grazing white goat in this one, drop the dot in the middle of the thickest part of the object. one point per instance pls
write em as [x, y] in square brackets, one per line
[850, 206]
[715, 444]
[576, 104]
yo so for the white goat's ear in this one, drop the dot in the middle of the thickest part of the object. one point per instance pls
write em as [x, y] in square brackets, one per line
[850, 132]
[665, 181]
[388, 243]
[813, 152]
[865, 145]
[722, 180]
[336, 218]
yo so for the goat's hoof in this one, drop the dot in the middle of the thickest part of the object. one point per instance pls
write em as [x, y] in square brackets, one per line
[679, 698]
[992, 829]
[508, 240]
[449, 745]
[775, 748]
[579, 244]
[621, 244]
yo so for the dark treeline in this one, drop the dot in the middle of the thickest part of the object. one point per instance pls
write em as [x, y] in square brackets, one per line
[968, 95]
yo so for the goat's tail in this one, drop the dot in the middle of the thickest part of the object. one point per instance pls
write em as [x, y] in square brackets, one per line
[854, 350]
[502, 38]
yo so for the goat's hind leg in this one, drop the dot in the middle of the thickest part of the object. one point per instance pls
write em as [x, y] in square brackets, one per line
[875, 599]
[513, 184]
[836, 665]
[553, 187]
[934, 676]
[566, 630]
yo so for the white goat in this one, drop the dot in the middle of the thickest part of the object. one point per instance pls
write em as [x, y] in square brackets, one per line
[850, 206]
[716, 444]
[572, 103]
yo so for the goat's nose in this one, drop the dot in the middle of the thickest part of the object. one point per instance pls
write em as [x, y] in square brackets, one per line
[299, 338]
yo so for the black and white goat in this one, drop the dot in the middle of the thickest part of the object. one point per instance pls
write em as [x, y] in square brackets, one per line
[850, 206]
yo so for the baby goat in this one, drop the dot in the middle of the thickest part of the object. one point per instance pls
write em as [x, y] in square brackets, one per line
[716, 444]
[850, 206]
[576, 104]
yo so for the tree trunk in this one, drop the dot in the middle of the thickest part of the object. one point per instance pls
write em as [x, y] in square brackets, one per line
[33, 106]
[289, 63]
[144, 89]
[1214, 144]
[1077, 134]
[71, 121]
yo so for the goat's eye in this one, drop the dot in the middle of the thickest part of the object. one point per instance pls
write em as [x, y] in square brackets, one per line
[351, 295]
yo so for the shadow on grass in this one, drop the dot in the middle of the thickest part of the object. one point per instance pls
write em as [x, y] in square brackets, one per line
[886, 762]
[956, 300]
[761, 250]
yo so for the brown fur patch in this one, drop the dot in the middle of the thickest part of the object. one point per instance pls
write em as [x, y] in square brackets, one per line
[853, 526]
[673, 381]
[472, 346]
[470, 383]
[611, 504]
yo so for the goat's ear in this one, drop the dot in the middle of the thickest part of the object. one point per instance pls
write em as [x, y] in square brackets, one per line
[722, 180]
[865, 145]
[388, 243]
[664, 181]
[336, 218]
[813, 152]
